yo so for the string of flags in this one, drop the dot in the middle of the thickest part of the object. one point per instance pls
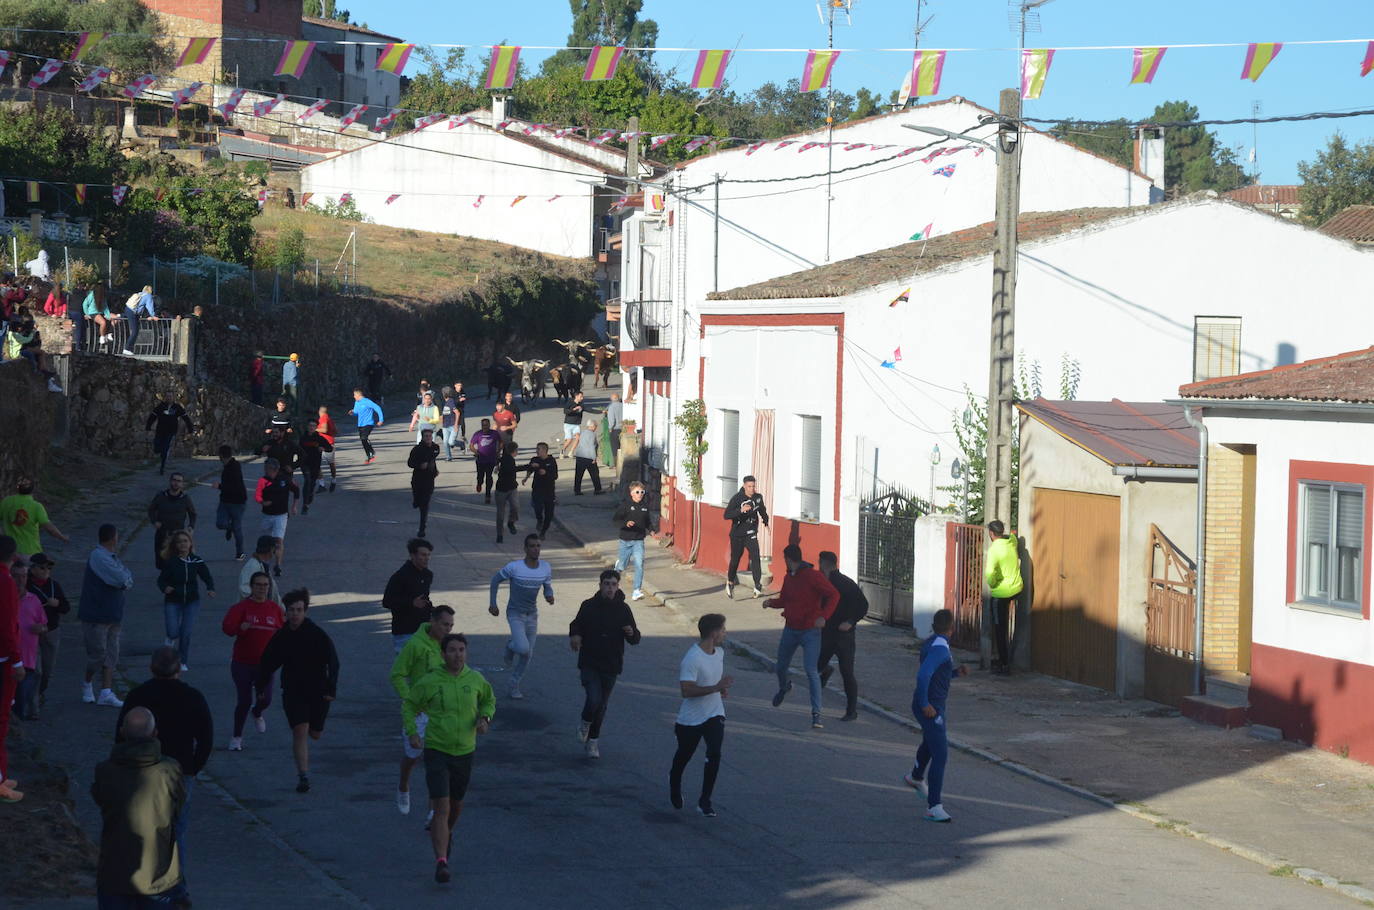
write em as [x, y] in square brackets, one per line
[896, 358]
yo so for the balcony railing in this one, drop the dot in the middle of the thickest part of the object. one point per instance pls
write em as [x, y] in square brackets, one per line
[647, 322]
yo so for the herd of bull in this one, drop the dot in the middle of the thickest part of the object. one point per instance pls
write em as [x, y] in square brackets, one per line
[566, 378]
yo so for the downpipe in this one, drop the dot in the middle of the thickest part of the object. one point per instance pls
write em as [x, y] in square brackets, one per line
[1201, 531]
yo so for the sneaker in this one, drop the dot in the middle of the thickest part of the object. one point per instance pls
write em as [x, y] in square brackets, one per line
[442, 874]
[636, 594]
[429, 819]
[261, 723]
[500, 539]
[758, 592]
[510, 526]
[8, 794]
[850, 715]
[238, 556]
[918, 785]
[403, 801]
[127, 353]
[782, 693]
[479, 488]
[53, 386]
[706, 810]
[109, 699]
[370, 460]
[936, 813]
[516, 694]
[730, 590]
[303, 784]
[185, 669]
[87, 694]
[583, 730]
[236, 744]
[593, 750]
[816, 722]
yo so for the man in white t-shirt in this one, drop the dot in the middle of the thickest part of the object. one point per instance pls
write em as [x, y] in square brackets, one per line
[702, 715]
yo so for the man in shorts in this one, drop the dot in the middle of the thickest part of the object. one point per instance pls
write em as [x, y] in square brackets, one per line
[278, 495]
[101, 611]
[309, 678]
[460, 704]
[417, 658]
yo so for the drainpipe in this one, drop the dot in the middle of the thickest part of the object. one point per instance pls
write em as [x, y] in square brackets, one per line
[1196, 423]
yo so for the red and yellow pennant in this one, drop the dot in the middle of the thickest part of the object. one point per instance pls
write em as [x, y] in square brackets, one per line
[80, 190]
[87, 42]
[1145, 63]
[816, 72]
[1257, 59]
[394, 58]
[504, 63]
[926, 69]
[33, 192]
[710, 69]
[294, 58]
[602, 63]
[1035, 68]
[197, 49]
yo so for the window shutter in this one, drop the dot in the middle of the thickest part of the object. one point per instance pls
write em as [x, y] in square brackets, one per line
[1349, 519]
[729, 454]
[1216, 346]
[810, 473]
[1317, 514]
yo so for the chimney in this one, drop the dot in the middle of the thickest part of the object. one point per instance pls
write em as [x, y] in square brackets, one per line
[1149, 155]
[498, 108]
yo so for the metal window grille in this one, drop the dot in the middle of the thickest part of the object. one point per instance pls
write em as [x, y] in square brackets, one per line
[729, 454]
[809, 486]
[1216, 346]
[1332, 544]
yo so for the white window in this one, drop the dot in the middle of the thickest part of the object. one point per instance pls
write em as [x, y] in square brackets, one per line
[1331, 544]
[1216, 346]
[729, 455]
[809, 473]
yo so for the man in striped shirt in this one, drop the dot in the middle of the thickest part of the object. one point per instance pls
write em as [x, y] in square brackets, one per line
[526, 577]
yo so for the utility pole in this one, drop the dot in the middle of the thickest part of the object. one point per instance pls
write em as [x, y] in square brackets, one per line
[632, 157]
[1002, 340]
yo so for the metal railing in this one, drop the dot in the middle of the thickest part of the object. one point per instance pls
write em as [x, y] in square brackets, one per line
[647, 322]
[964, 583]
[153, 342]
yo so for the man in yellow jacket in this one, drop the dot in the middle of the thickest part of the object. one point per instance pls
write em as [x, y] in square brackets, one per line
[1002, 572]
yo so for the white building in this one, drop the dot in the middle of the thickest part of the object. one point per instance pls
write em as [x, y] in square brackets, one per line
[1140, 300]
[358, 79]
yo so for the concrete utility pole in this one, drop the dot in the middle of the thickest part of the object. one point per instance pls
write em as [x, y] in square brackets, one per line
[1002, 340]
[632, 157]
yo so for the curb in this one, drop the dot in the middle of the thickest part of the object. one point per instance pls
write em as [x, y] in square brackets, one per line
[1274, 864]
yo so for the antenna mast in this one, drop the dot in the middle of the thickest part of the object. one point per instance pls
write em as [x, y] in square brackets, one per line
[828, 18]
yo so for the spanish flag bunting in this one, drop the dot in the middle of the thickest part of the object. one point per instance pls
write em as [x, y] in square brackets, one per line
[138, 86]
[816, 72]
[1365, 67]
[602, 63]
[394, 58]
[32, 186]
[710, 70]
[1257, 57]
[352, 116]
[197, 49]
[119, 193]
[901, 298]
[516, 200]
[45, 73]
[80, 194]
[501, 69]
[86, 43]
[1145, 63]
[392, 198]
[926, 69]
[305, 199]
[93, 79]
[1035, 66]
[294, 57]
[657, 202]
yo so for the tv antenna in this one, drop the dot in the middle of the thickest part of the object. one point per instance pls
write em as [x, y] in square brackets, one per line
[1024, 17]
[907, 95]
[828, 10]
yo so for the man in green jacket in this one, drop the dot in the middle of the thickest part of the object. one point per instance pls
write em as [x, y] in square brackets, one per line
[139, 792]
[1003, 575]
[416, 659]
[460, 705]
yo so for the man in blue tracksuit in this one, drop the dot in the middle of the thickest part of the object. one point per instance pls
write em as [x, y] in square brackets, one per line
[369, 417]
[928, 704]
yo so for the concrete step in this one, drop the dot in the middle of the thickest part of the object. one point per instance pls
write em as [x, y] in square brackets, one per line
[1209, 710]
[1229, 688]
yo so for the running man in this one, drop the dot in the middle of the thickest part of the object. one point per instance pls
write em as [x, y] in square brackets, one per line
[418, 658]
[313, 446]
[807, 600]
[370, 417]
[459, 704]
[162, 422]
[744, 512]
[635, 520]
[375, 372]
[330, 432]
[424, 469]
[233, 496]
[837, 638]
[407, 593]
[507, 512]
[278, 495]
[309, 678]
[485, 446]
[526, 577]
[543, 496]
[704, 686]
[599, 632]
[928, 705]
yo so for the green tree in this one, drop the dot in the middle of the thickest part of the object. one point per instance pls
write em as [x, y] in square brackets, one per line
[325, 9]
[866, 104]
[604, 22]
[136, 52]
[449, 85]
[1341, 175]
[49, 144]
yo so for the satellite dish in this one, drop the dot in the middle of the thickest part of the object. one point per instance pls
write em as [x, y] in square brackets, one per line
[905, 95]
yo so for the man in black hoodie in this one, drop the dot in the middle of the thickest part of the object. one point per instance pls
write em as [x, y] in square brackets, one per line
[744, 512]
[312, 447]
[507, 512]
[185, 728]
[162, 421]
[284, 449]
[407, 593]
[837, 638]
[233, 499]
[424, 469]
[604, 623]
[171, 510]
[309, 678]
[635, 519]
[544, 470]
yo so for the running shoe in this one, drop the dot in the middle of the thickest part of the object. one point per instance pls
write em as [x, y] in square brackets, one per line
[583, 729]
[303, 784]
[403, 801]
[109, 699]
[87, 693]
[915, 783]
[730, 590]
[816, 722]
[782, 693]
[850, 715]
[636, 594]
[276, 570]
[370, 460]
[937, 813]
[441, 872]
[261, 723]
[516, 694]
[185, 669]
[706, 810]
[593, 750]
[510, 526]
[236, 744]
[758, 592]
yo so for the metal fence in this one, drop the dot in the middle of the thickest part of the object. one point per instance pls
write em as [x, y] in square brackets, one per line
[153, 342]
[647, 322]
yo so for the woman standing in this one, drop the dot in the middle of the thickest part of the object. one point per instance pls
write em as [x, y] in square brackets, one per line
[251, 623]
[182, 572]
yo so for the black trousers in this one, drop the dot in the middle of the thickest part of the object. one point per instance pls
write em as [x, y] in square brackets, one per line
[1001, 614]
[835, 643]
[308, 479]
[713, 731]
[363, 434]
[543, 504]
[586, 466]
[374, 389]
[737, 547]
[484, 476]
[598, 687]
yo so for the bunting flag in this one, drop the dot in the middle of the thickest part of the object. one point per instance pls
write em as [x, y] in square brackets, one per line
[345, 199]
[620, 203]
[785, 143]
[534, 128]
[516, 200]
[656, 142]
[386, 119]
[552, 198]
[658, 202]
[926, 69]
[855, 146]
[606, 136]
[312, 110]
[1365, 67]
[80, 190]
[394, 58]
[755, 147]
[93, 78]
[602, 63]
[33, 190]
[197, 49]
[45, 73]
[86, 43]
[455, 122]
[305, 199]
[501, 69]
[923, 233]
[428, 120]
[1257, 57]
[907, 151]
[294, 57]
[263, 108]
[352, 116]
[946, 171]
[231, 105]
[630, 135]
[901, 298]
[1035, 66]
[262, 198]
[478, 203]
[119, 193]
[710, 70]
[564, 132]
[896, 359]
[138, 86]
[807, 146]
[183, 95]
[816, 72]
[696, 143]
[1145, 63]
[392, 198]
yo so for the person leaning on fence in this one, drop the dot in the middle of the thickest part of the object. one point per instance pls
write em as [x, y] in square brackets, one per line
[139, 306]
[1003, 575]
[94, 308]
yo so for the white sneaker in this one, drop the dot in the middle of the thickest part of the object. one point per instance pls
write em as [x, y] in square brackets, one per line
[236, 744]
[261, 723]
[87, 694]
[429, 819]
[936, 813]
[636, 594]
[109, 699]
[593, 751]
[403, 801]
[583, 729]
[918, 785]
[169, 642]
[515, 693]
[185, 669]
[127, 353]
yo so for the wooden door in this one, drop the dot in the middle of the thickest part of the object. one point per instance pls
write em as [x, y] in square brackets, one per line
[1076, 548]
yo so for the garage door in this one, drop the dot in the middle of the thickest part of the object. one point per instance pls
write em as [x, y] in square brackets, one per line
[1076, 555]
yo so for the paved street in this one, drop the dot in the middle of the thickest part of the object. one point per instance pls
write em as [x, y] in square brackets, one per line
[807, 818]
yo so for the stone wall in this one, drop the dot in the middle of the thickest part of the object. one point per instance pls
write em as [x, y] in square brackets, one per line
[27, 413]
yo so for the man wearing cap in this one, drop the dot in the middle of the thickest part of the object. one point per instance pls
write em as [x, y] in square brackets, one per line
[424, 468]
[55, 605]
[290, 381]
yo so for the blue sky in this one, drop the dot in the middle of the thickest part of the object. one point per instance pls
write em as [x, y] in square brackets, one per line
[1083, 84]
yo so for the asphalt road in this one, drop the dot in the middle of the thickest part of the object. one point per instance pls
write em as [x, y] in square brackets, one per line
[807, 819]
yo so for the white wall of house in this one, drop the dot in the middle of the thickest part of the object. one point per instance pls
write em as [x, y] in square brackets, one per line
[363, 83]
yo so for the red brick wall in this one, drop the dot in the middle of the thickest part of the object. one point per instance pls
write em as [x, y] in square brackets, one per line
[1314, 700]
[275, 17]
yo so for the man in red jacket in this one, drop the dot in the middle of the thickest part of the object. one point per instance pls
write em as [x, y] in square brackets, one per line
[806, 602]
[11, 670]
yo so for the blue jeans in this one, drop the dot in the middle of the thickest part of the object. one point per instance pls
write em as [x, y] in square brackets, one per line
[932, 755]
[180, 621]
[26, 693]
[451, 441]
[133, 329]
[229, 517]
[810, 642]
[523, 629]
[632, 550]
[398, 642]
[598, 686]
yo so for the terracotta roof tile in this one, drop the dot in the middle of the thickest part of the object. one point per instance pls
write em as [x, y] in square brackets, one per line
[1345, 377]
[1272, 194]
[1355, 223]
[1141, 433]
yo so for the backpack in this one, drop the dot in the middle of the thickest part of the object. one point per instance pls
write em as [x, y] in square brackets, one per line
[132, 302]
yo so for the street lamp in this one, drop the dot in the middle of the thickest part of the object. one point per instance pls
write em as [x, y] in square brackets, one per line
[934, 460]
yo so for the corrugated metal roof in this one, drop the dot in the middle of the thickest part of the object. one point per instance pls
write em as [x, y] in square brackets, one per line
[1122, 433]
[1345, 377]
[1355, 222]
